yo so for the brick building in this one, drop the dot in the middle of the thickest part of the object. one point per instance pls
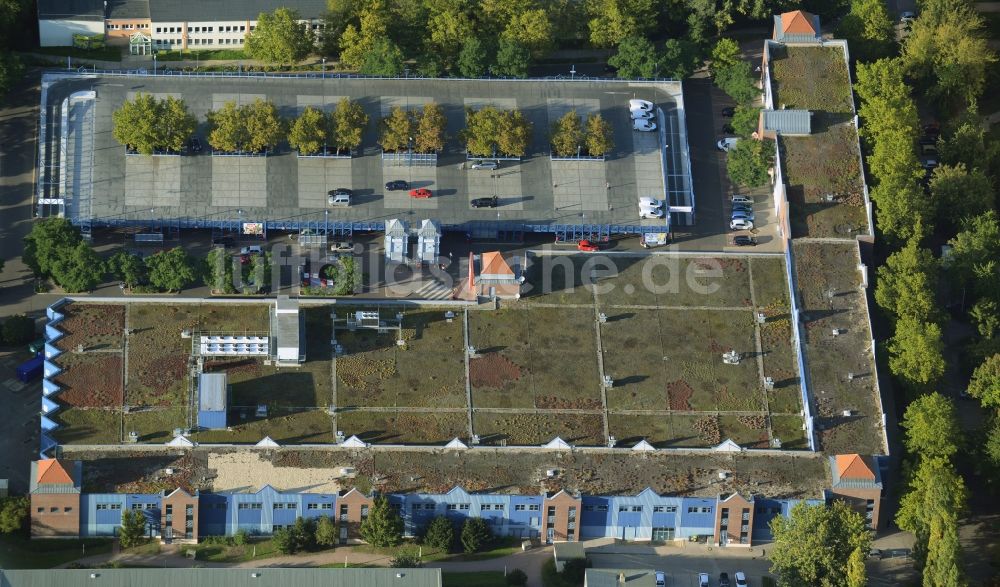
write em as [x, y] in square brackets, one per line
[55, 498]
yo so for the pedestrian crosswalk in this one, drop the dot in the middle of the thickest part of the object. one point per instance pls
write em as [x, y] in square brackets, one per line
[431, 289]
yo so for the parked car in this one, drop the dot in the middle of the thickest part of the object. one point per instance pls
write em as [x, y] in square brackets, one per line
[932, 129]
[726, 143]
[586, 246]
[740, 224]
[645, 105]
[420, 193]
[396, 185]
[339, 197]
[723, 579]
[489, 202]
[728, 112]
[744, 214]
[485, 165]
[651, 202]
[743, 207]
[741, 579]
[741, 199]
[194, 144]
[906, 18]
[641, 114]
[342, 247]
[928, 140]
[744, 241]
[661, 578]
[251, 250]
[643, 125]
[650, 212]
[703, 580]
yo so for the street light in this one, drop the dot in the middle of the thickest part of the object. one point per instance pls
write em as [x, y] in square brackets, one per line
[154, 63]
[324, 68]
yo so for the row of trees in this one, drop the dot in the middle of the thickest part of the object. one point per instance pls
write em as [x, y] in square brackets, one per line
[150, 125]
[421, 131]
[571, 137]
[315, 131]
[384, 528]
[490, 132]
[638, 57]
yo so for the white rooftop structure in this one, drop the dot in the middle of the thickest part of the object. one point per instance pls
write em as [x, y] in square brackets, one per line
[287, 331]
[233, 345]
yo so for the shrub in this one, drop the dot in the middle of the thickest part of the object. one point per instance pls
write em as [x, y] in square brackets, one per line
[476, 535]
[517, 578]
[18, 330]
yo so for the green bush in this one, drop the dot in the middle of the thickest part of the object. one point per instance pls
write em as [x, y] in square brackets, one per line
[517, 578]
[18, 330]
[749, 161]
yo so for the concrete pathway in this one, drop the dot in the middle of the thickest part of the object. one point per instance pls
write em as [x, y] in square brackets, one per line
[987, 6]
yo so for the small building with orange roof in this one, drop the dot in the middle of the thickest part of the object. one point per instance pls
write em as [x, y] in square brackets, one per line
[55, 498]
[856, 480]
[490, 276]
[797, 26]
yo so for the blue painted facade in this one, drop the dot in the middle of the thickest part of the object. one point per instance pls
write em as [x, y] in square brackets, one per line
[101, 513]
[262, 512]
[517, 516]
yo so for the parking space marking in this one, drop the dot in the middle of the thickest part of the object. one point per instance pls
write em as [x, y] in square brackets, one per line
[419, 177]
[319, 176]
[580, 185]
[325, 103]
[408, 103]
[152, 181]
[241, 99]
[505, 183]
[239, 182]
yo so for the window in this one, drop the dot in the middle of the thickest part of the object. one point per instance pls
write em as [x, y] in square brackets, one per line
[312, 506]
[657, 509]
[326, 506]
[40, 510]
[692, 510]
[279, 506]
[452, 507]
[519, 508]
[242, 506]
[137, 506]
[622, 508]
[256, 506]
[498, 506]
[602, 508]
[463, 506]
[588, 508]
[159, 29]
[706, 510]
[67, 509]
[53, 509]
[430, 506]
[243, 28]
[663, 534]
[150, 506]
[534, 507]
[170, 509]
[637, 508]
[364, 512]
[116, 506]
[486, 507]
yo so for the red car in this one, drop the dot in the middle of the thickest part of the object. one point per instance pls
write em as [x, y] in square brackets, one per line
[586, 246]
[420, 193]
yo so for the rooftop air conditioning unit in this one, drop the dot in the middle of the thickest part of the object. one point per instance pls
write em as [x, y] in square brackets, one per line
[551, 472]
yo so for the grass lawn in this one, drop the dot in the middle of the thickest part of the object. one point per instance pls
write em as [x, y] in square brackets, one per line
[812, 78]
[18, 552]
[409, 427]
[770, 287]
[301, 427]
[156, 425]
[823, 163]
[157, 355]
[789, 430]
[201, 54]
[428, 371]
[557, 280]
[221, 553]
[88, 426]
[103, 54]
[474, 579]
[677, 281]
[531, 429]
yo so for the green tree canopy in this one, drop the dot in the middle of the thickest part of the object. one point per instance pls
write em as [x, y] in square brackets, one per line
[745, 120]
[383, 58]
[349, 122]
[907, 283]
[959, 193]
[513, 59]
[935, 492]
[680, 58]
[18, 329]
[932, 428]
[749, 161]
[473, 59]
[13, 513]
[309, 133]
[265, 129]
[357, 41]
[326, 531]
[985, 383]
[814, 544]
[49, 240]
[397, 130]
[228, 131]
[148, 125]
[985, 315]
[476, 535]
[284, 540]
[567, 135]
[737, 80]
[171, 270]
[967, 145]
[916, 353]
[974, 251]
[481, 129]
[280, 37]
[868, 29]
[383, 526]
[514, 134]
[943, 566]
[79, 270]
[430, 129]
[127, 267]
[611, 21]
[636, 58]
[133, 528]
[726, 52]
[599, 138]
[11, 70]
[532, 28]
[440, 534]
[449, 28]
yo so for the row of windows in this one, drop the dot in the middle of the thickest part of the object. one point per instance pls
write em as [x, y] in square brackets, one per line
[202, 29]
[148, 506]
[250, 506]
[54, 509]
[657, 509]
[172, 42]
[319, 506]
[128, 27]
[108, 506]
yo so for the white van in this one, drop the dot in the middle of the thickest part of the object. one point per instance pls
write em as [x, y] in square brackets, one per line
[339, 199]
[741, 199]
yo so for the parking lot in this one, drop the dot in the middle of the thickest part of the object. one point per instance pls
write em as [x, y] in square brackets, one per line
[19, 443]
[682, 564]
[281, 186]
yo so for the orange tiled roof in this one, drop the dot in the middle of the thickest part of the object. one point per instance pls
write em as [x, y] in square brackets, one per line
[854, 467]
[494, 264]
[52, 471]
[797, 22]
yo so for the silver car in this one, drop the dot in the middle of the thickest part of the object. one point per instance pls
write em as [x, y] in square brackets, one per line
[485, 165]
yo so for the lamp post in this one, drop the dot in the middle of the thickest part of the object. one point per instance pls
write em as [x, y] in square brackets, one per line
[154, 63]
[324, 68]
[572, 72]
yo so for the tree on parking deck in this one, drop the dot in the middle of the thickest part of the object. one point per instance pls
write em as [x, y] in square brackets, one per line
[737, 80]
[513, 59]
[348, 125]
[147, 124]
[171, 270]
[916, 353]
[430, 129]
[265, 129]
[309, 133]
[599, 140]
[636, 58]
[383, 526]
[481, 129]
[280, 37]
[815, 543]
[473, 59]
[227, 129]
[567, 135]
[514, 134]
[749, 161]
[397, 130]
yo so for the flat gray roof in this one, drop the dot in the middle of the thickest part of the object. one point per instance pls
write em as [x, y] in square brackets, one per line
[268, 577]
[227, 10]
[70, 9]
[212, 392]
[788, 122]
[128, 8]
[283, 188]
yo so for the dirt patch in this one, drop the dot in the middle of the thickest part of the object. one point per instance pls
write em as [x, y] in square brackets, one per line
[92, 325]
[679, 395]
[708, 429]
[493, 371]
[167, 370]
[96, 383]
[241, 471]
[753, 422]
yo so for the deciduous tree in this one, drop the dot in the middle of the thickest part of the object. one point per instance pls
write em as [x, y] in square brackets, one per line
[133, 528]
[567, 135]
[815, 543]
[264, 127]
[611, 21]
[745, 120]
[907, 283]
[514, 134]
[279, 37]
[383, 58]
[430, 129]
[967, 145]
[383, 526]
[749, 161]
[985, 315]
[309, 132]
[13, 513]
[228, 131]
[79, 270]
[326, 531]
[473, 59]
[943, 567]
[985, 383]
[932, 428]
[974, 250]
[599, 139]
[50, 239]
[960, 193]
[636, 58]
[726, 52]
[481, 129]
[935, 491]
[737, 80]
[171, 270]
[680, 58]
[149, 125]
[869, 30]
[397, 130]
[127, 267]
[531, 28]
[17, 330]
[513, 59]
[916, 353]
[349, 122]
[357, 41]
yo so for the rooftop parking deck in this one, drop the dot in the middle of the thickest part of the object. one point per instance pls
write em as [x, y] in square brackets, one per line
[198, 189]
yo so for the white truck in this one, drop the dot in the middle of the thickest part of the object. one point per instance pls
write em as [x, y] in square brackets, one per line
[654, 239]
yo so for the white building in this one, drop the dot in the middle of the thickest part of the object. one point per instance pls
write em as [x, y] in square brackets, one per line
[59, 20]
